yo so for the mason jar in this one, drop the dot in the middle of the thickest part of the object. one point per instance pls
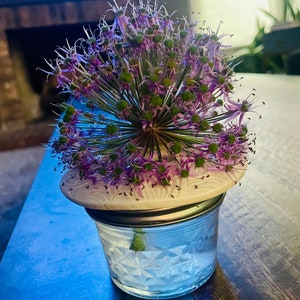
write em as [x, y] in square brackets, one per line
[160, 254]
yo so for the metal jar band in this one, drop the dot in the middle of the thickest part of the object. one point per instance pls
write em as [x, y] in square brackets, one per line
[152, 218]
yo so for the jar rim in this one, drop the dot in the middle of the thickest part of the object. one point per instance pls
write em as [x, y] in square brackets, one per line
[155, 217]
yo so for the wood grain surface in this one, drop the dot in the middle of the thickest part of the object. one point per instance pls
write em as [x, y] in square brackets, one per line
[259, 230]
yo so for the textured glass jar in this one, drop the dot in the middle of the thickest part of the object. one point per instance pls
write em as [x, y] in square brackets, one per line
[160, 254]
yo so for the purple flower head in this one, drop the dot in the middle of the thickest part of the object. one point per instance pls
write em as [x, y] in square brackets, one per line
[153, 99]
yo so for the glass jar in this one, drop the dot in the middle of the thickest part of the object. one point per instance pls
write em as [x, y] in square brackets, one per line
[160, 254]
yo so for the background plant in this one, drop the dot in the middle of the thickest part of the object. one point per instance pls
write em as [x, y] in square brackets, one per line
[251, 58]
[290, 13]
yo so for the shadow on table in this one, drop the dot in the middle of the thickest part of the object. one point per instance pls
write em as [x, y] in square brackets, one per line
[217, 287]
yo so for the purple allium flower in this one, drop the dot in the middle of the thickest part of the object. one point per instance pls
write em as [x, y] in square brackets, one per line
[153, 98]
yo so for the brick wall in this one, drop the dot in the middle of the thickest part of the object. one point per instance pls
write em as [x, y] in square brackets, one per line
[10, 103]
[18, 103]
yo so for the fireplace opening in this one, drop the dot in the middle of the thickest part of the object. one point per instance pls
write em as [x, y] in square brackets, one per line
[29, 47]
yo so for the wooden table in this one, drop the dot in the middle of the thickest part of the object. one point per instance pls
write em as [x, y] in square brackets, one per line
[54, 252]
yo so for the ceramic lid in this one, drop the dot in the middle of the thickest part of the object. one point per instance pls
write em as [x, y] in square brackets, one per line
[201, 186]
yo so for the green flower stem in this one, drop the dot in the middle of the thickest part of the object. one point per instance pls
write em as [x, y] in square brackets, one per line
[138, 242]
